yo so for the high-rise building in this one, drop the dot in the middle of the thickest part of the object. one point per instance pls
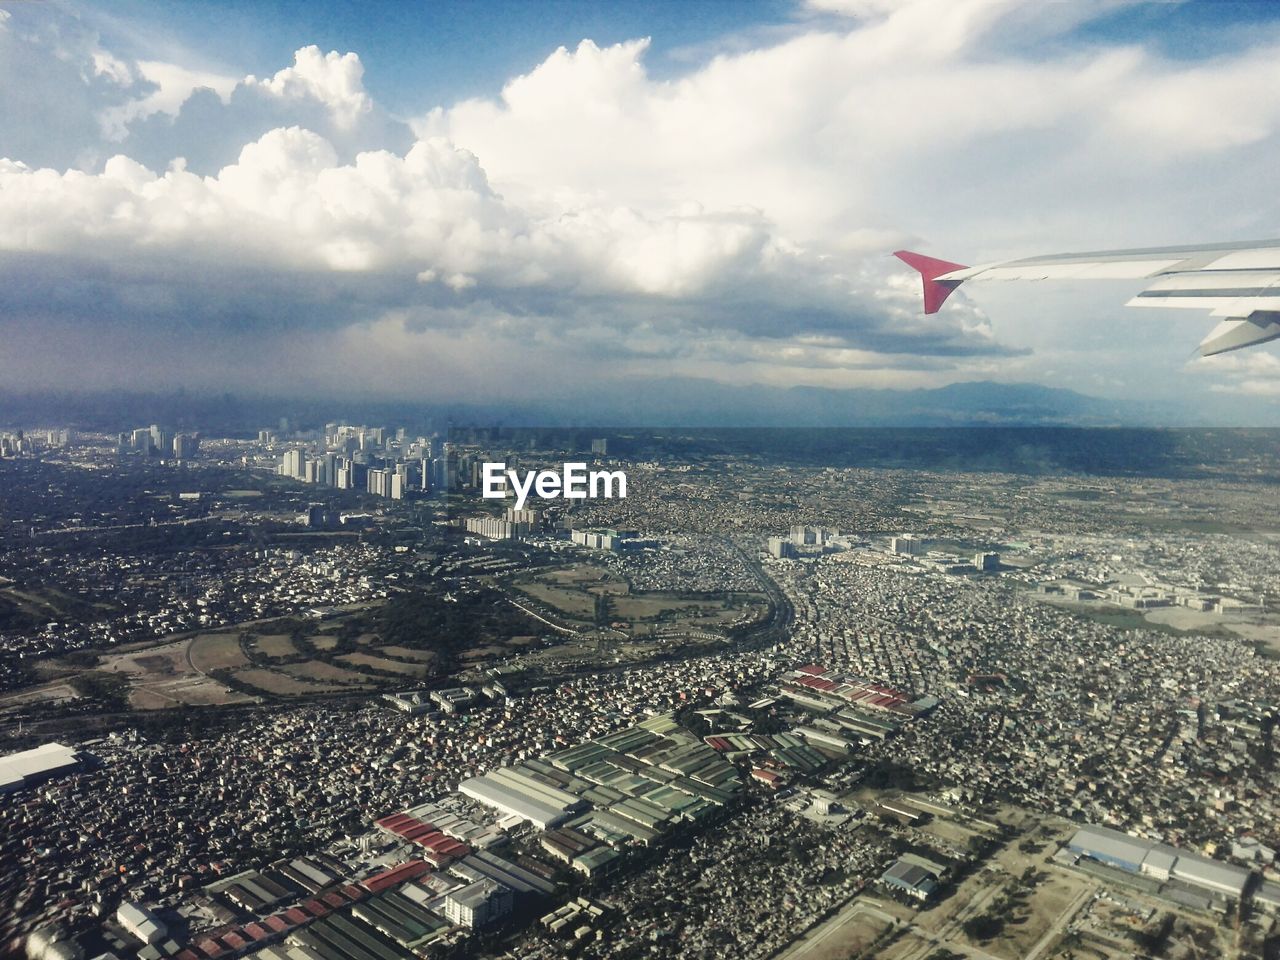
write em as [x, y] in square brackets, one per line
[293, 464]
[161, 439]
[185, 445]
[908, 545]
[780, 548]
[378, 482]
[986, 562]
[478, 904]
[600, 446]
[496, 529]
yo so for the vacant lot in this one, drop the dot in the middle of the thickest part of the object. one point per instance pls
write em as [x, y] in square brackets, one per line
[407, 653]
[285, 685]
[575, 604]
[216, 651]
[844, 936]
[193, 691]
[385, 665]
[161, 676]
[275, 645]
[326, 672]
[580, 593]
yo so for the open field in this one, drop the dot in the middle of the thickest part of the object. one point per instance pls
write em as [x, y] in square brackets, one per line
[389, 666]
[192, 691]
[849, 933]
[158, 675]
[168, 675]
[373, 646]
[284, 685]
[577, 605]
[325, 672]
[1171, 620]
[49, 693]
[406, 653]
[585, 594]
[216, 651]
[1266, 635]
[584, 576]
[275, 645]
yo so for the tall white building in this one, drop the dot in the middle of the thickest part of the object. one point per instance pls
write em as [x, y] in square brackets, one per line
[478, 904]
[907, 545]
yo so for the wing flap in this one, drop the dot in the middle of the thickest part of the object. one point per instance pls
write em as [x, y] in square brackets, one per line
[1241, 332]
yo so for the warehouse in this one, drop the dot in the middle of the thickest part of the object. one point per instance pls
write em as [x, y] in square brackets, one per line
[910, 878]
[1158, 860]
[487, 865]
[138, 921]
[30, 767]
[1111, 847]
[542, 806]
[1211, 875]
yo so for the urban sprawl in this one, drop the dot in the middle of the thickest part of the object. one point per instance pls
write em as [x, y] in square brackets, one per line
[310, 694]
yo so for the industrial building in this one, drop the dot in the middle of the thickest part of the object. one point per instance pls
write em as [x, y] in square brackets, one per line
[515, 792]
[913, 879]
[140, 922]
[30, 767]
[455, 699]
[1158, 861]
[412, 702]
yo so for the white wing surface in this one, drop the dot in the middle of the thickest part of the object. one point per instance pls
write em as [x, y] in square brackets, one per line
[1238, 283]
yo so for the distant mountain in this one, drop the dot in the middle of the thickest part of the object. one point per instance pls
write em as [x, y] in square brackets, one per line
[685, 402]
[674, 402]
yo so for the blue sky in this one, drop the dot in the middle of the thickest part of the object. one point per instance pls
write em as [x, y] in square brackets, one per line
[475, 201]
[419, 54]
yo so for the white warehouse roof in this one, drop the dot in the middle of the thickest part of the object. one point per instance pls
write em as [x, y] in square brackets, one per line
[503, 797]
[19, 769]
[1160, 859]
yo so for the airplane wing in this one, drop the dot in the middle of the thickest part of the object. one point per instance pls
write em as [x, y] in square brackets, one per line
[1239, 283]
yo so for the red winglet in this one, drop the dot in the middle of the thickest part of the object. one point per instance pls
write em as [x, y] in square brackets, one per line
[935, 291]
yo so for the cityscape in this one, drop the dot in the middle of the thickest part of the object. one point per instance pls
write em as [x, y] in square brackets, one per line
[509, 480]
[256, 706]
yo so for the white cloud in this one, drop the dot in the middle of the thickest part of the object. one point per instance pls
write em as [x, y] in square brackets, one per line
[733, 221]
[172, 87]
[336, 80]
[289, 202]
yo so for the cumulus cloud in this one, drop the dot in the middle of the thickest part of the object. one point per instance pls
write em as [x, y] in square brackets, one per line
[732, 221]
[335, 80]
[288, 202]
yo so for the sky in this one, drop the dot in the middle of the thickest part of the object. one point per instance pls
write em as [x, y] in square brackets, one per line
[514, 202]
